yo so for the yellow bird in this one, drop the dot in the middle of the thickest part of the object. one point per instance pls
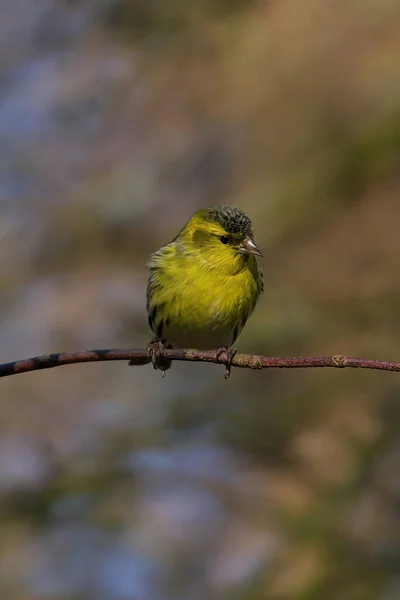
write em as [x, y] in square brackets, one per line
[204, 285]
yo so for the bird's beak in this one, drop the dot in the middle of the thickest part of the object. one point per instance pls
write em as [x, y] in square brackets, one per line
[249, 247]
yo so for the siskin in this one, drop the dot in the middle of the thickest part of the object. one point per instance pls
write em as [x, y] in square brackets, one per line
[204, 285]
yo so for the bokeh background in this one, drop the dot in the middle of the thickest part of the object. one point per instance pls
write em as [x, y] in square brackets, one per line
[118, 119]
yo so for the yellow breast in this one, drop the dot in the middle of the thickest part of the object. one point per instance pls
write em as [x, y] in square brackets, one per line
[194, 302]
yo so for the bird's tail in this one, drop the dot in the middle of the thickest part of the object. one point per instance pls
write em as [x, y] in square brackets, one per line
[139, 362]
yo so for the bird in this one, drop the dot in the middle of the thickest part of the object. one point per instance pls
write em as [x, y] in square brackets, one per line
[203, 285]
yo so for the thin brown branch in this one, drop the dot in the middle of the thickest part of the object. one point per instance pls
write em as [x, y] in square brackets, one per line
[249, 361]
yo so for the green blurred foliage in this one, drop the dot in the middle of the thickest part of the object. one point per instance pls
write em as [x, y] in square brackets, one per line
[136, 20]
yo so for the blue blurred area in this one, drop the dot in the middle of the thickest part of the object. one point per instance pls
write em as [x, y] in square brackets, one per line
[118, 119]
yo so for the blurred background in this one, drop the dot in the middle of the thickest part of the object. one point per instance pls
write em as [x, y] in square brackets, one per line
[118, 119]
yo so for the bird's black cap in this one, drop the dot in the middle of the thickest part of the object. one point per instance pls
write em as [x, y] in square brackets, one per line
[232, 219]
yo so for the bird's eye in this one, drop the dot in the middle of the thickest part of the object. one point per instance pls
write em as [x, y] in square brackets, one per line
[224, 239]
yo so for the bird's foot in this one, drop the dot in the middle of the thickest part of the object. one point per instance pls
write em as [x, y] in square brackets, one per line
[155, 352]
[230, 353]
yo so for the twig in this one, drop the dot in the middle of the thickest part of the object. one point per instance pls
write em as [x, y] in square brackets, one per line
[249, 361]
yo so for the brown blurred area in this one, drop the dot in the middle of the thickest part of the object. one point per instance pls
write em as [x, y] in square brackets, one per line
[118, 119]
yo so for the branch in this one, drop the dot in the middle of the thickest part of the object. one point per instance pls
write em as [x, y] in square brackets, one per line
[249, 361]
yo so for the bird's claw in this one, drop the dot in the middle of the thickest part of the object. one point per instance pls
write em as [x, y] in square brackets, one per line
[230, 353]
[155, 353]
